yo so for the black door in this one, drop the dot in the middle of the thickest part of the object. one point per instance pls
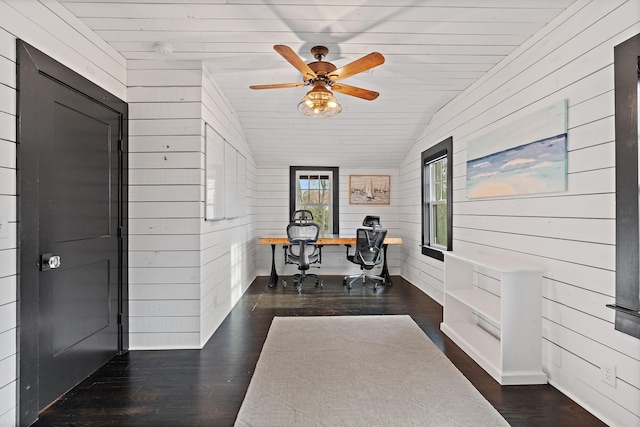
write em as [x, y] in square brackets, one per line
[78, 224]
[72, 215]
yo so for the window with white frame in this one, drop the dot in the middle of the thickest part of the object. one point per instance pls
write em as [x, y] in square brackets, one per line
[438, 202]
[436, 199]
[316, 189]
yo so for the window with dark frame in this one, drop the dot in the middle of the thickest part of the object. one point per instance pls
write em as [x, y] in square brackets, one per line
[437, 175]
[627, 86]
[315, 188]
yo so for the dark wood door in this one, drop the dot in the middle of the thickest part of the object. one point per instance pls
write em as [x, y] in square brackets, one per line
[78, 189]
[72, 216]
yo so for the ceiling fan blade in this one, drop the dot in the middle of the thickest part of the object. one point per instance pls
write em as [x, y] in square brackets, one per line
[277, 85]
[359, 65]
[287, 53]
[358, 92]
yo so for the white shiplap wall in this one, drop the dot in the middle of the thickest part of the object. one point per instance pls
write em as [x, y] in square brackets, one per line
[165, 173]
[185, 274]
[570, 234]
[80, 50]
[272, 217]
[8, 244]
[227, 258]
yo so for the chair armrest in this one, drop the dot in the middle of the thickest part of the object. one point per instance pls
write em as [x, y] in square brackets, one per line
[348, 246]
[286, 254]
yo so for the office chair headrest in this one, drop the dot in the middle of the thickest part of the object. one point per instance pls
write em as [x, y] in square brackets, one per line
[372, 221]
[302, 216]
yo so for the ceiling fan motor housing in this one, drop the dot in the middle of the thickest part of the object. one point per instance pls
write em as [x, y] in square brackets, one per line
[323, 70]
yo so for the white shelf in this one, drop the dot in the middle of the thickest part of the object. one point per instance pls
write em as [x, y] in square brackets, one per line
[515, 356]
[491, 262]
[483, 303]
[469, 338]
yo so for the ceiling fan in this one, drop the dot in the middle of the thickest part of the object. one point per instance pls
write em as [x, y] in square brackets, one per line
[322, 75]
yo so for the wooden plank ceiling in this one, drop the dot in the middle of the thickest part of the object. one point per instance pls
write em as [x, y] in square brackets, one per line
[434, 49]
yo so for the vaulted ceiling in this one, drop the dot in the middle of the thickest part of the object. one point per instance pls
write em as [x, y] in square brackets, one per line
[433, 50]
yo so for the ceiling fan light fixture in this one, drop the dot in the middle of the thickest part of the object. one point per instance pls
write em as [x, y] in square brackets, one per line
[319, 102]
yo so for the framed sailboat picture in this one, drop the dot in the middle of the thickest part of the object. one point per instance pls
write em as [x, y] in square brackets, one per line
[369, 190]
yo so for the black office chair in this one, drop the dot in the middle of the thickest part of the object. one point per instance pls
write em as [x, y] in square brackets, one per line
[302, 216]
[367, 253]
[303, 251]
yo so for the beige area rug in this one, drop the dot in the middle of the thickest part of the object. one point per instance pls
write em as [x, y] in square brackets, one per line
[358, 371]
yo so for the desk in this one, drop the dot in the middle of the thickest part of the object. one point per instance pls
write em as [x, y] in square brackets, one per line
[326, 240]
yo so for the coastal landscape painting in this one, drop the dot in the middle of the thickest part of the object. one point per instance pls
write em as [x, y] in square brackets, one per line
[528, 156]
[369, 190]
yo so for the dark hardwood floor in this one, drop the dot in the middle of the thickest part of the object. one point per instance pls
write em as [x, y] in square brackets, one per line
[206, 387]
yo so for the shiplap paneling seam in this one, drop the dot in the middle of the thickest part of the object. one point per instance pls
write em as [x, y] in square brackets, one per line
[491, 124]
[537, 236]
[511, 61]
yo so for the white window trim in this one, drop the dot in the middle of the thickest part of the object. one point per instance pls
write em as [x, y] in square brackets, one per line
[433, 201]
[331, 183]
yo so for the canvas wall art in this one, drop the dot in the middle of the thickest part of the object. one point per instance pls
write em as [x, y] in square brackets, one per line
[369, 190]
[527, 156]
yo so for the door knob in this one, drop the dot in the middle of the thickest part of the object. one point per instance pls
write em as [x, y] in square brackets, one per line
[49, 262]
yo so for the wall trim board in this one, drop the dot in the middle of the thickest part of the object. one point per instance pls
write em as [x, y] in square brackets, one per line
[627, 77]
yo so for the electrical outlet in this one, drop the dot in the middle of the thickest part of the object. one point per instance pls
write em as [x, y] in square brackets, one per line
[608, 374]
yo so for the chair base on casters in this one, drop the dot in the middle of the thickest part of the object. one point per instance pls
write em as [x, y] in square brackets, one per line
[349, 280]
[299, 278]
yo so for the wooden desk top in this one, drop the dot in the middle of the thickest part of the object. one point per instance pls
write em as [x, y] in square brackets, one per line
[325, 240]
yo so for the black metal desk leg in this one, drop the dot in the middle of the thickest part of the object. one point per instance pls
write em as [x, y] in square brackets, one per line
[385, 268]
[273, 278]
